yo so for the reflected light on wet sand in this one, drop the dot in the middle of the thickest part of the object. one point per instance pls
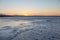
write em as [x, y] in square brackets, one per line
[14, 23]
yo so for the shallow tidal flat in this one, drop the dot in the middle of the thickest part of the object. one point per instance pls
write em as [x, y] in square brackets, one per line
[28, 29]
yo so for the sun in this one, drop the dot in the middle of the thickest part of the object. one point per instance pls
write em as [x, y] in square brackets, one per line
[26, 14]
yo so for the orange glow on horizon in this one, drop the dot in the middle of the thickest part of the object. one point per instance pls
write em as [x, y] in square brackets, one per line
[33, 13]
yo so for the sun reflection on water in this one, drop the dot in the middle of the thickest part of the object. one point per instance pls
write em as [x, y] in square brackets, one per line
[14, 23]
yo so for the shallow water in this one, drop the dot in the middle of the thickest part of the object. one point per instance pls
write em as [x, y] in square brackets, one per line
[29, 28]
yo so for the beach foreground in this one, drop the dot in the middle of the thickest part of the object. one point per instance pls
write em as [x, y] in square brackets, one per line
[29, 28]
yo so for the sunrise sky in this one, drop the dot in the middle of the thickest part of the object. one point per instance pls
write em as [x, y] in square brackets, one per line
[30, 7]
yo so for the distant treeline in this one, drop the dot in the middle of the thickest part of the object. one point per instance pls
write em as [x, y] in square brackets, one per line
[2, 15]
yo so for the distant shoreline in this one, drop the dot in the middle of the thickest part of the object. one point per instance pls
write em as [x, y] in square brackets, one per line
[29, 16]
[3, 15]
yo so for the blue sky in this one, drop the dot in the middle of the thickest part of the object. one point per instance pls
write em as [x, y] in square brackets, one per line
[29, 5]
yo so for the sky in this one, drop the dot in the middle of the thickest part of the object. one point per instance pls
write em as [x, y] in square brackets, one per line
[30, 7]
